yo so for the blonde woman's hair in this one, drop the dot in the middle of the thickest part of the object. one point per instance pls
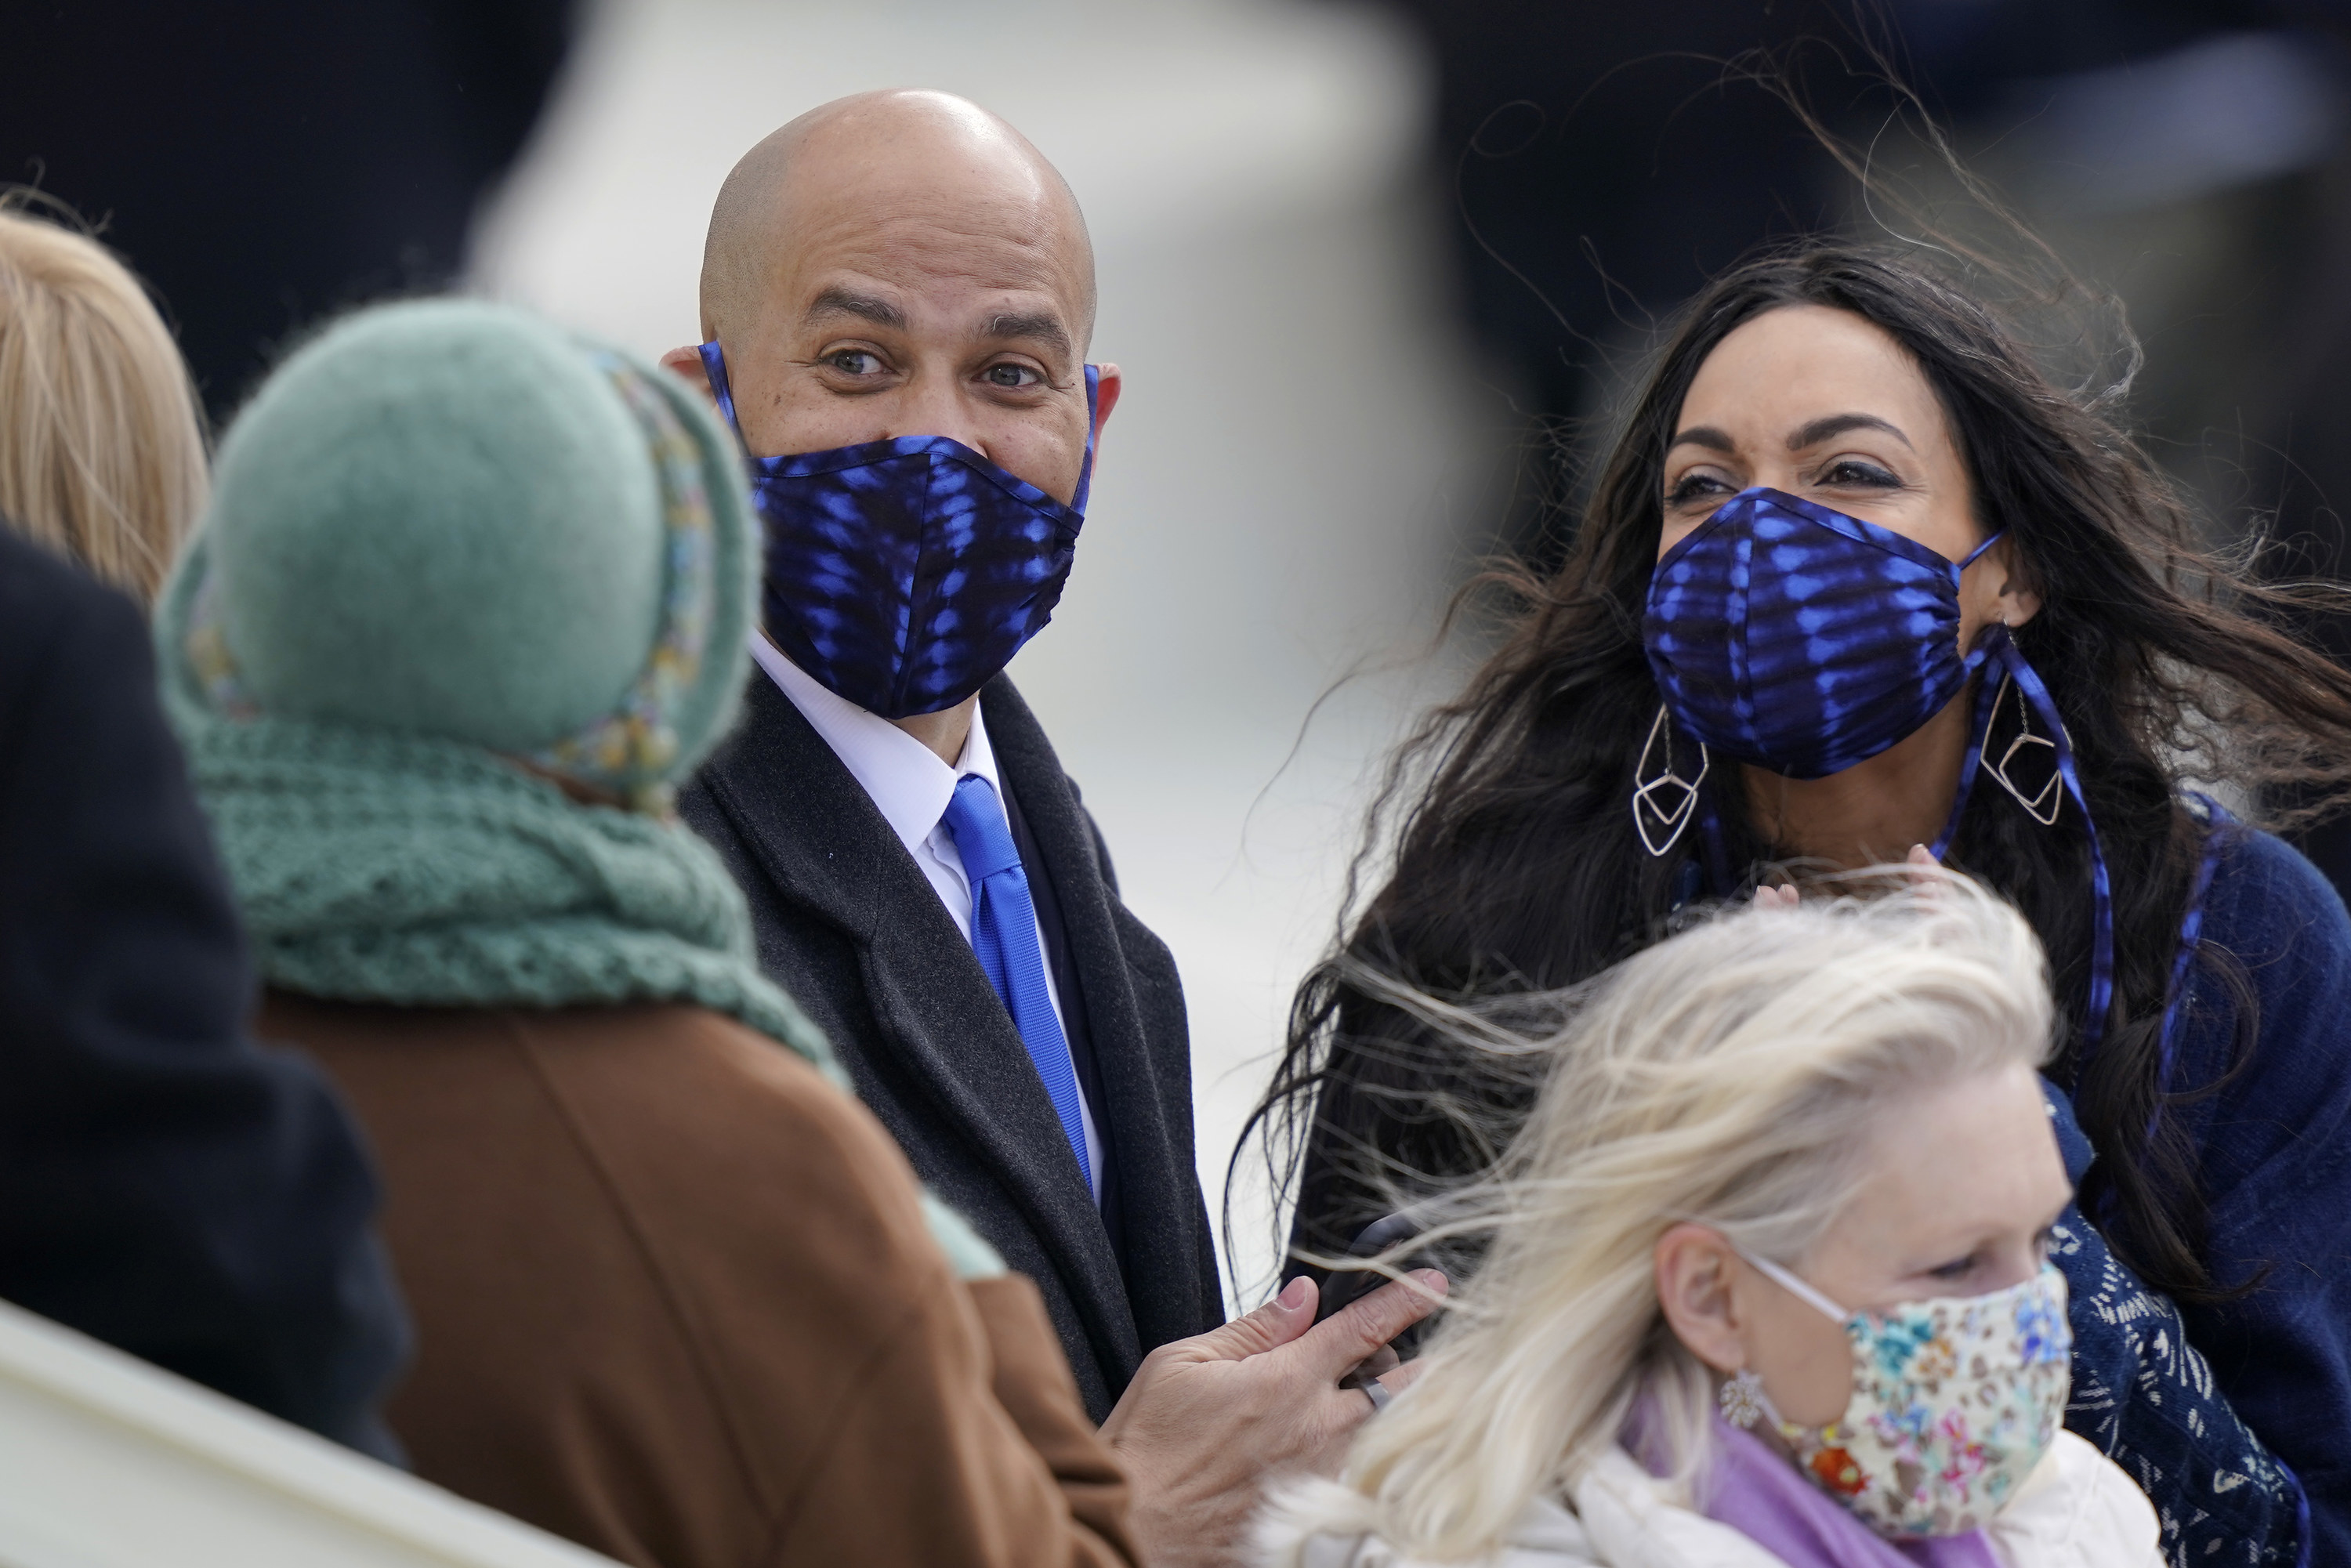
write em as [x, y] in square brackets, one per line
[101, 446]
[1730, 1075]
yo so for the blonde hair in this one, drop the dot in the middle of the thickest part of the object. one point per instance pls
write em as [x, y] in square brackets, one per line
[1730, 1075]
[101, 446]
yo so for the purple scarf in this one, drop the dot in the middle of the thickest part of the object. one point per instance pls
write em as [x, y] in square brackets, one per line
[1767, 1500]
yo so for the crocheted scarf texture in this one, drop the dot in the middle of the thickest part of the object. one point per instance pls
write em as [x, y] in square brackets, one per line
[377, 867]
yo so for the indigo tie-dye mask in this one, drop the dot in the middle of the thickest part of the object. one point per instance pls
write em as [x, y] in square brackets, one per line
[1954, 1402]
[1803, 640]
[903, 574]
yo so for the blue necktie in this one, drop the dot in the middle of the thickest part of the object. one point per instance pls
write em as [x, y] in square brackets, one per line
[1004, 935]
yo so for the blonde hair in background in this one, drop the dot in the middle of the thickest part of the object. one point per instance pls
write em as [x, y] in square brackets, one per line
[101, 446]
[1730, 1075]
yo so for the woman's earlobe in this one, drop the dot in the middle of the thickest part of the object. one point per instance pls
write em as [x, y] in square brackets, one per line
[2019, 601]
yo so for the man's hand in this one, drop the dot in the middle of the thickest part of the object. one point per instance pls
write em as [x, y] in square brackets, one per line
[1206, 1421]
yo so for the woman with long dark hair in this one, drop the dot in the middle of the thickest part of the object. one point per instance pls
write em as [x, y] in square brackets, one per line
[1858, 576]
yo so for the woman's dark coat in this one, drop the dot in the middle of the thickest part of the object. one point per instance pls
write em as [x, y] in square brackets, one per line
[172, 1189]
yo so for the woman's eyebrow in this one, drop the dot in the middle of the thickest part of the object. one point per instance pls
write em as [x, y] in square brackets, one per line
[1703, 435]
[1820, 430]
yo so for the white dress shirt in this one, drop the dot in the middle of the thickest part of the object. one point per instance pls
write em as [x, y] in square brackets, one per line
[911, 787]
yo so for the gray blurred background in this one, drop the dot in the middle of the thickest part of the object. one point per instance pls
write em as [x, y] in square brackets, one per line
[1371, 271]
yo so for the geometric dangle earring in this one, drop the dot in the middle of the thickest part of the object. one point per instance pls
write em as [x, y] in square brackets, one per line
[2044, 804]
[1667, 798]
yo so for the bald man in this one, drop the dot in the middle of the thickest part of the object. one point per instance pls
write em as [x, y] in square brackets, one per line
[897, 296]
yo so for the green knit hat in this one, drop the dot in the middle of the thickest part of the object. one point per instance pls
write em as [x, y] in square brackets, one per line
[449, 518]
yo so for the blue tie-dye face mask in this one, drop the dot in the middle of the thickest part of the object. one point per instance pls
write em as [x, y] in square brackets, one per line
[1801, 640]
[903, 574]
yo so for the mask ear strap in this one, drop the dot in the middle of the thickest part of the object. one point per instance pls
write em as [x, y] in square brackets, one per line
[2192, 931]
[1978, 550]
[1792, 1285]
[1980, 735]
[714, 366]
[1999, 647]
[1086, 474]
[1986, 700]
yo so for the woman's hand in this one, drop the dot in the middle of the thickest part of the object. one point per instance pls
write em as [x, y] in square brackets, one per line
[1785, 895]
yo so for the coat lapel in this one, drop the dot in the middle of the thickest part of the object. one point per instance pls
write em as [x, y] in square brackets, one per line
[824, 846]
[1146, 1104]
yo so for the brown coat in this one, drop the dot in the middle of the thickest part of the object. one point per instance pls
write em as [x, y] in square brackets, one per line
[675, 1300]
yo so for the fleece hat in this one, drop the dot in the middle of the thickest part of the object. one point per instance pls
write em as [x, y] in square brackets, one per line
[450, 518]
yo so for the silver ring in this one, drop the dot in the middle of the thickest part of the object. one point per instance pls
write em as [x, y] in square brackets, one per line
[1377, 1393]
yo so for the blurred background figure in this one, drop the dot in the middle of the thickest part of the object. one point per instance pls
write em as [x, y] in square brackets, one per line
[102, 451]
[1431, 235]
[172, 1190]
[264, 163]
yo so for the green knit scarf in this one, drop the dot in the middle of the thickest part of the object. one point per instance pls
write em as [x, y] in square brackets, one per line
[380, 867]
[421, 873]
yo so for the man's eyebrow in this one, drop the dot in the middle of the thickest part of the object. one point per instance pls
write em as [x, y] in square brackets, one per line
[1041, 326]
[869, 308]
[1820, 430]
[1703, 435]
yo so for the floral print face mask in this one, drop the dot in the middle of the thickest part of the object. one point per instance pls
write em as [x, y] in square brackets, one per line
[1955, 1400]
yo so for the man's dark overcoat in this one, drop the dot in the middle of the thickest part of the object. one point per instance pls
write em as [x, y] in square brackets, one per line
[848, 924]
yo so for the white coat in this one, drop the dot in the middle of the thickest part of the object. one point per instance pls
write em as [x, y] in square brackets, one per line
[2078, 1509]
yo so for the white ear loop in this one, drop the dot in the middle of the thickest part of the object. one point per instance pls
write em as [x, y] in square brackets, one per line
[1793, 1285]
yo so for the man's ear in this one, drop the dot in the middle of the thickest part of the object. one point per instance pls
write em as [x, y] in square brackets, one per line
[1108, 384]
[1693, 1273]
[685, 364]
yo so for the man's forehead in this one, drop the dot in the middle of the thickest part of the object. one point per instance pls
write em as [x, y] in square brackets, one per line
[927, 193]
[927, 231]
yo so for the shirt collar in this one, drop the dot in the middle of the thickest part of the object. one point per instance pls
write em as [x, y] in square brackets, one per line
[905, 780]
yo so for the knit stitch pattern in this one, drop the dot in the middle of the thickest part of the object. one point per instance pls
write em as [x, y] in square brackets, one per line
[402, 869]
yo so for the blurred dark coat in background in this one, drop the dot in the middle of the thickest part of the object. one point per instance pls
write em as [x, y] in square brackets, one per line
[173, 1189]
[265, 163]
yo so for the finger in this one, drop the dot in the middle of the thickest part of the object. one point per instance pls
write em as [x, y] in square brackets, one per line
[1271, 1326]
[1338, 1418]
[1926, 872]
[1348, 1338]
[1379, 1363]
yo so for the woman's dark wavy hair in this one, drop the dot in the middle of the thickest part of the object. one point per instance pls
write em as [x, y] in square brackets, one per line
[1516, 863]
